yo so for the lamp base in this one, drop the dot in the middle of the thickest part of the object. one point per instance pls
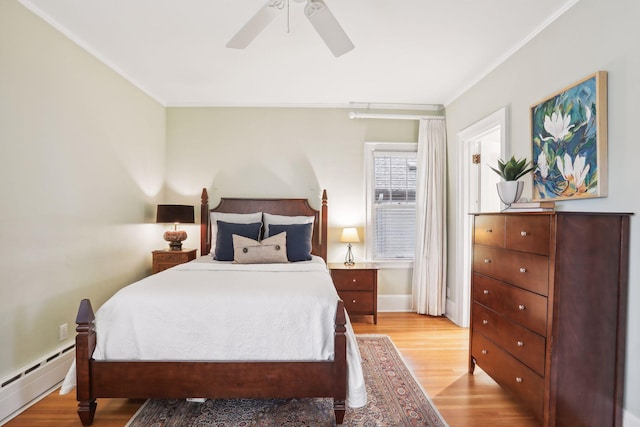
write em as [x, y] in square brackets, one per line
[175, 238]
[348, 260]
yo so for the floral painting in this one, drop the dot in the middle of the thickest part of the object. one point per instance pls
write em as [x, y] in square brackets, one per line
[569, 137]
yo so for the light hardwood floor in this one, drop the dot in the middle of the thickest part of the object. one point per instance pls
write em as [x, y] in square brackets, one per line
[435, 349]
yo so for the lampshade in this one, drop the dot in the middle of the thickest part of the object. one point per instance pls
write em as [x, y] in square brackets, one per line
[350, 235]
[175, 214]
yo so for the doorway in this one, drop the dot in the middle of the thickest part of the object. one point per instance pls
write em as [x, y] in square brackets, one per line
[480, 145]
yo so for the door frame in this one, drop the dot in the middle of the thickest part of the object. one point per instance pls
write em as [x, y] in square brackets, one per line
[459, 309]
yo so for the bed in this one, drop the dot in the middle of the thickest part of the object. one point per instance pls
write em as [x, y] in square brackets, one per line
[327, 370]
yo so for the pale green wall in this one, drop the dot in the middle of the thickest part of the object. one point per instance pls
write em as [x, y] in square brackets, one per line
[82, 165]
[593, 35]
[280, 152]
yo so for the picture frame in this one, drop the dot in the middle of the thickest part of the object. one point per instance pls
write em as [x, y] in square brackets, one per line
[569, 141]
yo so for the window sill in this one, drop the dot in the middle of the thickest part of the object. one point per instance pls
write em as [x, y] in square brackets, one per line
[393, 264]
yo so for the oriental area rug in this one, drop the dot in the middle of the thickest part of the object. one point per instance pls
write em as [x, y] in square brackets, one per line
[394, 399]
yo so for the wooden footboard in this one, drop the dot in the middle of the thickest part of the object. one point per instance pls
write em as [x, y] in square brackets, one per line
[215, 380]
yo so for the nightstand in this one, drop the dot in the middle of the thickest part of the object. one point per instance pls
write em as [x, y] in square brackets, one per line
[357, 286]
[164, 259]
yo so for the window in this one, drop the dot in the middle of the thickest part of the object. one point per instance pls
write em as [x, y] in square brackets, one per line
[391, 201]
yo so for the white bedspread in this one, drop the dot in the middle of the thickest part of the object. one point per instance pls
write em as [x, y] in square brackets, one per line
[210, 310]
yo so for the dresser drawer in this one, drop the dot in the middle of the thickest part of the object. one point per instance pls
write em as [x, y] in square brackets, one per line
[528, 233]
[509, 373]
[489, 230]
[357, 302]
[522, 306]
[522, 343]
[528, 271]
[354, 280]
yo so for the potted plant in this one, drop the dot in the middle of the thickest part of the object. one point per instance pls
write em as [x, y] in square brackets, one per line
[510, 189]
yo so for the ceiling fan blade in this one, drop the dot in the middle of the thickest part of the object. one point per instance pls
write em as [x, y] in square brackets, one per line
[328, 27]
[256, 24]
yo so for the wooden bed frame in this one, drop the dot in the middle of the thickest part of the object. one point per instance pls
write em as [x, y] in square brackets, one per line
[216, 379]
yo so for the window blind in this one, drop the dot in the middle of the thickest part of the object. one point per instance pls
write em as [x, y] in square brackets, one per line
[394, 207]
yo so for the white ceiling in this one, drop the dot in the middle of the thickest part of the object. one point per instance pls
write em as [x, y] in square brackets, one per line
[406, 51]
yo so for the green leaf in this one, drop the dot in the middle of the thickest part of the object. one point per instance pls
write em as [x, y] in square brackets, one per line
[513, 169]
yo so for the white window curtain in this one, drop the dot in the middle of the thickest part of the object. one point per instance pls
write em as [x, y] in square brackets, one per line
[430, 266]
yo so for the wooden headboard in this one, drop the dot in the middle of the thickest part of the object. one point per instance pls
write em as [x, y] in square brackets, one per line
[291, 207]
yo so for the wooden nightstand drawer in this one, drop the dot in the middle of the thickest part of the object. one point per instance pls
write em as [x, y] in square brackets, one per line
[353, 280]
[178, 257]
[163, 260]
[357, 302]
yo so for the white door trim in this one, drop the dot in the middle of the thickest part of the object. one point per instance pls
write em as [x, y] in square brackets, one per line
[459, 309]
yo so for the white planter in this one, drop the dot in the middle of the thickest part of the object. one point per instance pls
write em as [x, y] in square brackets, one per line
[510, 191]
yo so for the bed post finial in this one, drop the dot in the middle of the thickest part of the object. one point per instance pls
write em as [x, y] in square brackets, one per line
[204, 223]
[85, 344]
[340, 360]
[324, 226]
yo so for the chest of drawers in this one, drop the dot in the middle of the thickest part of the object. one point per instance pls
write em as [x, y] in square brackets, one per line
[548, 312]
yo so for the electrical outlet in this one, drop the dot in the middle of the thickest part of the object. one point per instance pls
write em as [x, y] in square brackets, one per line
[63, 332]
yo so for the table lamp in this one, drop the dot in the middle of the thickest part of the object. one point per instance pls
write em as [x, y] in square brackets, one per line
[175, 214]
[349, 235]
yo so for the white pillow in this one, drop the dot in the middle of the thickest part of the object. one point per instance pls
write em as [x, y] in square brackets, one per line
[284, 220]
[235, 218]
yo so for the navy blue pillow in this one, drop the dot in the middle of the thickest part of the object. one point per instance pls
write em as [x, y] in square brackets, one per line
[224, 239]
[298, 240]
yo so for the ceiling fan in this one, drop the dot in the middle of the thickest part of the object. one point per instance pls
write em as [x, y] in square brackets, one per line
[315, 10]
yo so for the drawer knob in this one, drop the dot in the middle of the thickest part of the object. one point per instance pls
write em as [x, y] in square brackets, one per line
[523, 233]
[487, 261]
[484, 352]
[486, 292]
[522, 307]
[485, 322]
[354, 301]
[520, 344]
[354, 280]
[523, 270]
[488, 230]
[519, 379]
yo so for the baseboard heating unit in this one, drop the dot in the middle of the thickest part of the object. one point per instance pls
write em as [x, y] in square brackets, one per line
[35, 381]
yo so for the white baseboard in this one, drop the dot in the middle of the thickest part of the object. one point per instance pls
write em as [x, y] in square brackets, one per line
[394, 303]
[31, 384]
[630, 420]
